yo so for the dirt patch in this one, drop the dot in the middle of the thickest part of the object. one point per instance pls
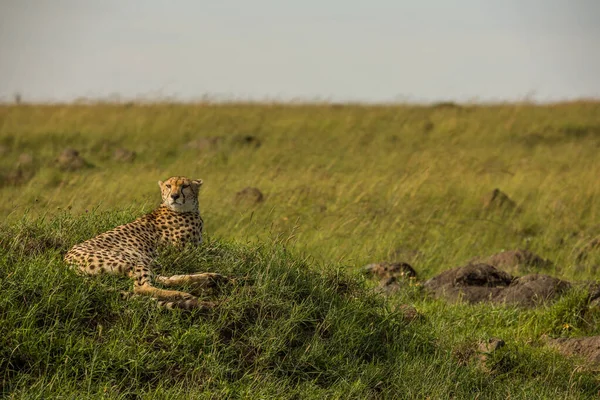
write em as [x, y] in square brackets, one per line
[532, 290]
[516, 261]
[587, 348]
[476, 283]
[249, 195]
[497, 200]
[70, 160]
[124, 155]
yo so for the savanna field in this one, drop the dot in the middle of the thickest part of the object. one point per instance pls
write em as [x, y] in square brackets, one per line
[343, 186]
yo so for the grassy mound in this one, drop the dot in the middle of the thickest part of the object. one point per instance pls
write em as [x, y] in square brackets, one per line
[286, 329]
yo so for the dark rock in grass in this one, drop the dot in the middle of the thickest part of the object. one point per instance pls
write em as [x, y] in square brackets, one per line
[427, 126]
[499, 201]
[532, 290]
[124, 155]
[70, 160]
[471, 275]
[517, 261]
[473, 283]
[587, 348]
[484, 283]
[246, 140]
[249, 195]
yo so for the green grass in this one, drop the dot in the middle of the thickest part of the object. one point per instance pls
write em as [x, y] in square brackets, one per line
[344, 186]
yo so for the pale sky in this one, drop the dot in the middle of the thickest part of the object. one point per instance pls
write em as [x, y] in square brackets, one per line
[368, 50]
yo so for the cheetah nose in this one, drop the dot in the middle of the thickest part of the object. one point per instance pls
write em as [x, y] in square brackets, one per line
[175, 196]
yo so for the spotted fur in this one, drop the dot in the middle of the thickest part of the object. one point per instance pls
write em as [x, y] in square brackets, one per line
[130, 249]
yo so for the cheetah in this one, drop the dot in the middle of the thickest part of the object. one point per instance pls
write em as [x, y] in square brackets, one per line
[131, 249]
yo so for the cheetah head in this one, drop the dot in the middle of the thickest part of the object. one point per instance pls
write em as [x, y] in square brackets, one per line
[180, 194]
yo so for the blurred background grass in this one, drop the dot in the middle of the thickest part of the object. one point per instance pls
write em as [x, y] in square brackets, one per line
[341, 183]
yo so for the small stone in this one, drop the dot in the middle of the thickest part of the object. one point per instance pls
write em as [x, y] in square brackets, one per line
[249, 195]
[70, 160]
[498, 200]
[24, 160]
[124, 155]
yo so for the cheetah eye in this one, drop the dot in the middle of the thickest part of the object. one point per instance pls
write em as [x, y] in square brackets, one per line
[185, 186]
[168, 186]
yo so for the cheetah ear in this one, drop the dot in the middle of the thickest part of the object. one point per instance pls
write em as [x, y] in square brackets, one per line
[197, 182]
[160, 184]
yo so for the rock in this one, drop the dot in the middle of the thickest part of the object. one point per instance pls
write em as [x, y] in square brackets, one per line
[471, 275]
[586, 347]
[516, 261]
[498, 200]
[124, 155]
[484, 283]
[70, 160]
[532, 290]
[249, 195]
[473, 283]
